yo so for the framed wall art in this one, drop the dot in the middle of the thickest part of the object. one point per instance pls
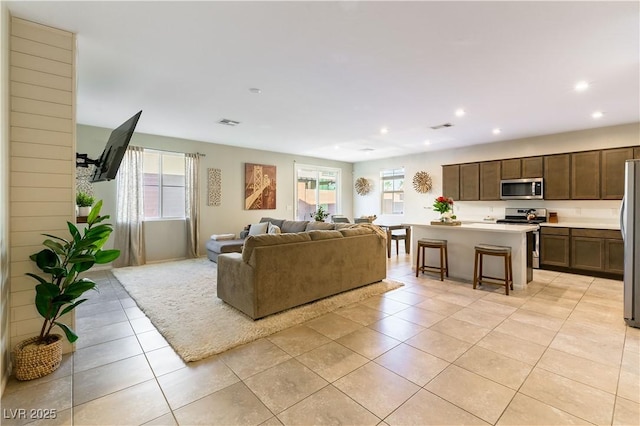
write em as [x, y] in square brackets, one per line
[259, 187]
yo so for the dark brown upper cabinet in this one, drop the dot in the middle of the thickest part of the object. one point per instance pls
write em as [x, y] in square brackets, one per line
[636, 153]
[532, 167]
[490, 180]
[520, 168]
[557, 177]
[612, 183]
[585, 175]
[470, 182]
[511, 169]
[451, 181]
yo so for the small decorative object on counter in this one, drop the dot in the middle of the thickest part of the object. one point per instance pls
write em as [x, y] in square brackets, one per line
[444, 206]
[553, 217]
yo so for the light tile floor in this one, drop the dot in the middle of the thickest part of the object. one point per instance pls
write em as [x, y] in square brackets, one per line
[430, 352]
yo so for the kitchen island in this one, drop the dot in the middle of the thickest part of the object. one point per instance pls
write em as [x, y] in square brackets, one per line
[461, 242]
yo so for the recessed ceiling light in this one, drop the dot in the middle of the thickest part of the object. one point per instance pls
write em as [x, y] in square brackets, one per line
[459, 112]
[581, 86]
[497, 131]
[255, 90]
[597, 114]
[384, 130]
[427, 142]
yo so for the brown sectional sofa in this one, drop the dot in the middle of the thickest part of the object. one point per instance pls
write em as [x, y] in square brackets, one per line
[276, 272]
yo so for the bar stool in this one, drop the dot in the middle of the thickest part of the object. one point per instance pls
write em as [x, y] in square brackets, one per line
[491, 250]
[441, 245]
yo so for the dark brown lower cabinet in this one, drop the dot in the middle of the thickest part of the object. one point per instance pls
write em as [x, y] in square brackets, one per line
[554, 247]
[614, 256]
[587, 253]
[579, 250]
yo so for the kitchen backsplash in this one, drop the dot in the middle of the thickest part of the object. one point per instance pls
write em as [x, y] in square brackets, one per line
[568, 211]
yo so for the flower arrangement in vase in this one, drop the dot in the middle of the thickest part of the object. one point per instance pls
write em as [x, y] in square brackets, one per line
[444, 205]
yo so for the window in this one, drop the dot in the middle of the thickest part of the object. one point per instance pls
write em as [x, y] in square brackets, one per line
[163, 185]
[392, 191]
[316, 186]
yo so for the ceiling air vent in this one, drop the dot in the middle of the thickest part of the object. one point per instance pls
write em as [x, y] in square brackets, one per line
[367, 149]
[228, 122]
[441, 126]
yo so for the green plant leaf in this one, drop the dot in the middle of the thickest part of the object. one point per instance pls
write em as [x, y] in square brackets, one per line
[106, 256]
[72, 307]
[38, 277]
[71, 335]
[84, 266]
[45, 259]
[73, 230]
[95, 213]
[54, 246]
[81, 258]
[56, 238]
[45, 294]
[76, 289]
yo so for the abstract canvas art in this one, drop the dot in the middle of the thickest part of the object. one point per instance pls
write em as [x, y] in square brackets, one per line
[259, 187]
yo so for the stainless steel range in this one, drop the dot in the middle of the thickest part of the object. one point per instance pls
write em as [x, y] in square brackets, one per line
[527, 216]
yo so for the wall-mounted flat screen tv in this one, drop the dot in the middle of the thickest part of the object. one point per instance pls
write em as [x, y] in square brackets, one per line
[111, 157]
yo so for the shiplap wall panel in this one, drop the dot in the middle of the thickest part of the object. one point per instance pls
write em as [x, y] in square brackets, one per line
[41, 122]
[36, 150]
[42, 156]
[43, 34]
[24, 60]
[40, 93]
[20, 134]
[39, 180]
[40, 165]
[42, 194]
[41, 50]
[38, 78]
[58, 208]
[34, 106]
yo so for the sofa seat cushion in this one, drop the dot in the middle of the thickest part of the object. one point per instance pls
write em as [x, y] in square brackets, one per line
[253, 241]
[216, 247]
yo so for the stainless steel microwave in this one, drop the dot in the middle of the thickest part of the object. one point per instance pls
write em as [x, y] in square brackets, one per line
[522, 189]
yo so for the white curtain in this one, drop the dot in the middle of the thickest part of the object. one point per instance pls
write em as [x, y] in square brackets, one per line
[192, 210]
[129, 236]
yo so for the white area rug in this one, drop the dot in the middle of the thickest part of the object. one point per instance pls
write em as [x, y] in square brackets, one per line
[180, 299]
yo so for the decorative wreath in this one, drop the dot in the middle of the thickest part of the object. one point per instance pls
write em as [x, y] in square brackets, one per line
[422, 182]
[363, 186]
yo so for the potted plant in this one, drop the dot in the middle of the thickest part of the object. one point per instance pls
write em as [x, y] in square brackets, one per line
[84, 202]
[59, 289]
[319, 215]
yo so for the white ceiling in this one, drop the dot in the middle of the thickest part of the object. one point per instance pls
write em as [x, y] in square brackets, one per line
[332, 74]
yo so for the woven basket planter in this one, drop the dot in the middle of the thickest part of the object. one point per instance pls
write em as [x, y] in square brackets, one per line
[34, 361]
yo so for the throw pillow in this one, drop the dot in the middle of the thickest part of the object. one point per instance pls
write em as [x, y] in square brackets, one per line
[273, 229]
[258, 228]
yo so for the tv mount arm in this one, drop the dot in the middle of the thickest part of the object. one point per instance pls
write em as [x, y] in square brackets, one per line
[83, 160]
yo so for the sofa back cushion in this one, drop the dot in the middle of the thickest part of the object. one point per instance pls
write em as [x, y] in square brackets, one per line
[313, 226]
[254, 241]
[289, 226]
[324, 235]
[276, 222]
[350, 232]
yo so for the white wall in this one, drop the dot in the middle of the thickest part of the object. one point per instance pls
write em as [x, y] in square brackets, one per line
[230, 216]
[431, 162]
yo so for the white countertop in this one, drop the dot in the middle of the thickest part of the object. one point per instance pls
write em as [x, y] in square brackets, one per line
[585, 225]
[486, 227]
